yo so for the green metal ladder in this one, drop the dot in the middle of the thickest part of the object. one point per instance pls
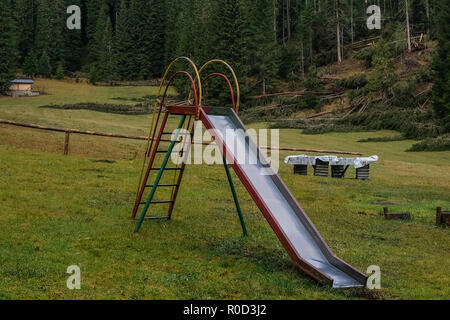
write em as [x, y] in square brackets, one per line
[161, 170]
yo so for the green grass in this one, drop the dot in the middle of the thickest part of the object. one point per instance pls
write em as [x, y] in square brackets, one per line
[57, 211]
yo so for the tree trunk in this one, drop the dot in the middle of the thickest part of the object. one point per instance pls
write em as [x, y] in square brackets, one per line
[310, 46]
[351, 21]
[274, 16]
[284, 23]
[288, 19]
[303, 60]
[338, 32]
[408, 31]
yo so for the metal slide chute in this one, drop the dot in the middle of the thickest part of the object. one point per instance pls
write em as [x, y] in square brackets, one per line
[280, 208]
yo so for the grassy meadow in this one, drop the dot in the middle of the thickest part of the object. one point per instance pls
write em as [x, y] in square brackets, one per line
[57, 211]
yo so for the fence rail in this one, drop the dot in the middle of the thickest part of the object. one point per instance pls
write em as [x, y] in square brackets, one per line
[69, 131]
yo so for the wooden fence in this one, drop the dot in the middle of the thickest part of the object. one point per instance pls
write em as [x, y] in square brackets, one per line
[69, 131]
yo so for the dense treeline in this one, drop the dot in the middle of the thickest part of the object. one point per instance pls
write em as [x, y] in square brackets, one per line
[266, 40]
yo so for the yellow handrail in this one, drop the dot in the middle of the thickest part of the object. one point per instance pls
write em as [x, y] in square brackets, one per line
[236, 82]
[197, 77]
[158, 102]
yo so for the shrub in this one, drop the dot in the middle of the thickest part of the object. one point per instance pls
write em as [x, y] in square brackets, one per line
[354, 82]
[403, 96]
[383, 139]
[60, 71]
[108, 108]
[366, 55]
[426, 74]
[440, 143]
[44, 68]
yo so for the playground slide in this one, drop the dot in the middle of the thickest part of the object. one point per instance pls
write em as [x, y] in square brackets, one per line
[286, 217]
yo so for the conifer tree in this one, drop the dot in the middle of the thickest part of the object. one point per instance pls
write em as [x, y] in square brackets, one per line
[124, 45]
[227, 34]
[97, 37]
[72, 40]
[147, 32]
[204, 30]
[8, 45]
[93, 9]
[262, 53]
[106, 59]
[304, 37]
[226, 42]
[50, 24]
[171, 31]
[30, 65]
[25, 14]
[157, 55]
[441, 65]
[186, 29]
[44, 67]
[60, 72]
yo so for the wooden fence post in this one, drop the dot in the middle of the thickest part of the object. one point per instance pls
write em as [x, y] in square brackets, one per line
[66, 143]
[438, 216]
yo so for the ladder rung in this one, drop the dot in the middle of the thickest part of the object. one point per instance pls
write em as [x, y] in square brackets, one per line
[157, 202]
[169, 169]
[156, 218]
[165, 151]
[162, 185]
[180, 134]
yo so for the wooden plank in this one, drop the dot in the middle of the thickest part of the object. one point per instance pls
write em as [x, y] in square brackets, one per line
[363, 173]
[445, 218]
[301, 169]
[311, 150]
[321, 169]
[338, 171]
[396, 215]
[77, 131]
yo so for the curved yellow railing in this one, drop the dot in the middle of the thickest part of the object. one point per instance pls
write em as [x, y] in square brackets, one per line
[236, 82]
[199, 91]
[158, 102]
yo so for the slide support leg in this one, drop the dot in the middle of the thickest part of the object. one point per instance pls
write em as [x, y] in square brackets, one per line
[236, 201]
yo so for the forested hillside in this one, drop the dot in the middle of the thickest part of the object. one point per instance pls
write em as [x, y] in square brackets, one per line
[275, 45]
[267, 40]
